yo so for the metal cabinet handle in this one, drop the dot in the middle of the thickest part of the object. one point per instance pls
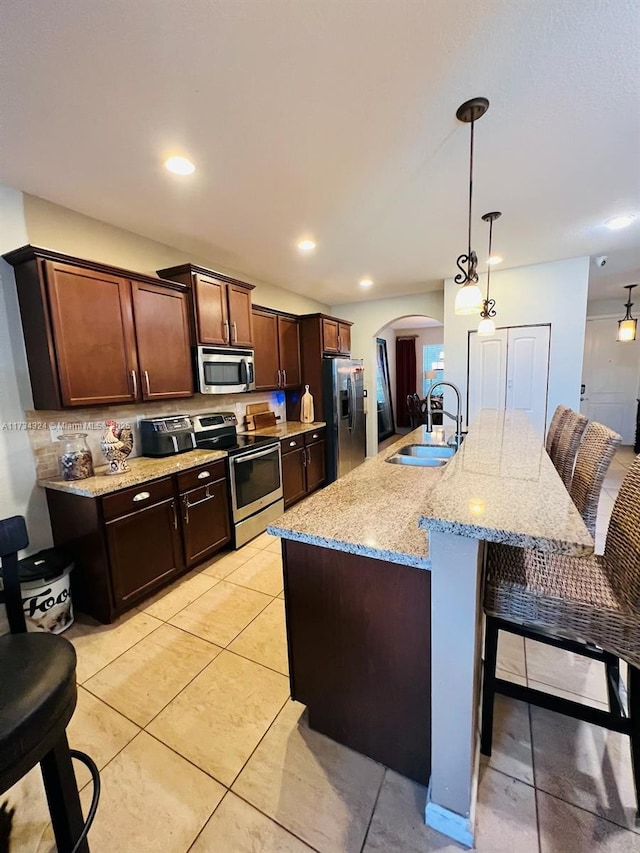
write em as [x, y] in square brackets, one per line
[315, 435]
[292, 443]
[135, 383]
[203, 475]
[308, 456]
[284, 373]
[228, 332]
[235, 332]
[279, 379]
[146, 379]
[141, 496]
[304, 458]
[339, 343]
[175, 515]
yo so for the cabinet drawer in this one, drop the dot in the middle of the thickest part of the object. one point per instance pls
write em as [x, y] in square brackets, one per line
[201, 475]
[139, 497]
[316, 435]
[288, 445]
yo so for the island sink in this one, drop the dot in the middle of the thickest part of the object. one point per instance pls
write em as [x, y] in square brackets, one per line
[422, 455]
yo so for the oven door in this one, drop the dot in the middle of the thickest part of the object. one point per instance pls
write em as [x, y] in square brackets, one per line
[256, 481]
[224, 371]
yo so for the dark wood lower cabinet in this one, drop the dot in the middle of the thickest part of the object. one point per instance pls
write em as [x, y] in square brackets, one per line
[205, 521]
[315, 465]
[129, 543]
[144, 550]
[359, 641]
[294, 484]
[303, 465]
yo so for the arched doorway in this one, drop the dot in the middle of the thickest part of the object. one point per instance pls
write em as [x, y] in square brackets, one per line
[413, 344]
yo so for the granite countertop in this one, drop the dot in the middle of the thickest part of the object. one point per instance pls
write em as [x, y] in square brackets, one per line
[373, 511]
[142, 470]
[287, 429]
[501, 486]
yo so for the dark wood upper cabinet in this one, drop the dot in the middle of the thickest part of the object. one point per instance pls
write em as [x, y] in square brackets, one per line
[289, 348]
[164, 347]
[212, 315]
[93, 334]
[330, 336]
[277, 349]
[344, 338]
[320, 335]
[221, 305]
[84, 340]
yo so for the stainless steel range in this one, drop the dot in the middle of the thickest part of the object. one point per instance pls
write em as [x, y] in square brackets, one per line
[255, 471]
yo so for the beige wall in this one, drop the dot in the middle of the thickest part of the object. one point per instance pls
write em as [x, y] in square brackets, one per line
[64, 230]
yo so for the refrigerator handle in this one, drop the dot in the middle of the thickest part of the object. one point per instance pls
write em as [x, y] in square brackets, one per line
[351, 402]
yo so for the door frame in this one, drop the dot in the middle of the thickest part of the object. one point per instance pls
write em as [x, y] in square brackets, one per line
[388, 383]
[500, 328]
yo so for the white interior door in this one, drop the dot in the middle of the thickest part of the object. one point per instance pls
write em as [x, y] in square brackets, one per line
[487, 372]
[528, 372]
[611, 376]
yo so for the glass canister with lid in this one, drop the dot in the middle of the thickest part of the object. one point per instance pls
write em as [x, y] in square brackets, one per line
[76, 462]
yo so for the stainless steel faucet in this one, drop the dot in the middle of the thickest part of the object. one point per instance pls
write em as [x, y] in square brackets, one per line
[457, 417]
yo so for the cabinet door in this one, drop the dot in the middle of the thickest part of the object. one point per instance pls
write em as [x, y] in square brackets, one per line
[144, 550]
[265, 346]
[289, 344]
[162, 335]
[344, 338]
[315, 465]
[487, 373]
[293, 476]
[528, 372]
[205, 521]
[212, 318]
[93, 331]
[240, 315]
[330, 336]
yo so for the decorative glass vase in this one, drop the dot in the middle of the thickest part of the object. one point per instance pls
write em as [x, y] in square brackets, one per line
[76, 462]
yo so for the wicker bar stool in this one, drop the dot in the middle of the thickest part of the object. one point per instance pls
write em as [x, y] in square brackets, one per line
[593, 461]
[566, 449]
[557, 422]
[589, 606]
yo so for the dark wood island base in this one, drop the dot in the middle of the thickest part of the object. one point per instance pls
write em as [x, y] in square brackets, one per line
[359, 640]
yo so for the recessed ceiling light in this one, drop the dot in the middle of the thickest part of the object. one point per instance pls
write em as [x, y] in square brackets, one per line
[494, 259]
[365, 282]
[180, 166]
[617, 222]
[306, 245]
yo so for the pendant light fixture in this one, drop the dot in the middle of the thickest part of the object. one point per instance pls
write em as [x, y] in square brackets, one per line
[627, 327]
[469, 298]
[486, 326]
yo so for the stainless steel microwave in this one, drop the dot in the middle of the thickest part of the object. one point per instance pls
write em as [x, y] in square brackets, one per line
[224, 370]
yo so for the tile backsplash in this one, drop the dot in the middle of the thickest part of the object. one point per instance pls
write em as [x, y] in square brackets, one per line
[43, 426]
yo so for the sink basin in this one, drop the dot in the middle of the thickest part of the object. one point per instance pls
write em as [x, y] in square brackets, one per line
[418, 461]
[422, 455]
[427, 451]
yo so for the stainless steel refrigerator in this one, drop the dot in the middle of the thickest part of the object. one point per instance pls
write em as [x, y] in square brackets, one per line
[343, 392]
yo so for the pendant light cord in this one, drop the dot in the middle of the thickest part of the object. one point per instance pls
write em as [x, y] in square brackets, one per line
[470, 190]
[489, 258]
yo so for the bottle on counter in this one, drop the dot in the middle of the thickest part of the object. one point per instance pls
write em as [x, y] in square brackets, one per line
[76, 462]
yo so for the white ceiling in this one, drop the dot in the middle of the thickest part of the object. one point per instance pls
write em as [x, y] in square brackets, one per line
[419, 322]
[336, 119]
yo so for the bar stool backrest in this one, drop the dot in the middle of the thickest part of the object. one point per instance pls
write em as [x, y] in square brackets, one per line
[594, 458]
[560, 418]
[568, 443]
[622, 550]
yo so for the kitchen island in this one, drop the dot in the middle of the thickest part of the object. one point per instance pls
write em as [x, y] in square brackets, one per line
[383, 574]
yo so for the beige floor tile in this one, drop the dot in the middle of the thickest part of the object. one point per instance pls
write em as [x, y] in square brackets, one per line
[97, 645]
[275, 547]
[567, 829]
[221, 613]
[505, 818]
[227, 562]
[565, 670]
[174, 598]
[511, 752]
[31, 831]
[585, 765]
[217, 721]
[565, 694]
[147, 677]
[152, 800]
[263, 540]
[262, 573]
[321, 791]
[511, 653]
[265, 639]
[236, 827]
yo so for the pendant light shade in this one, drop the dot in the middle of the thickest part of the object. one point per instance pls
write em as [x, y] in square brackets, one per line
[486, 328]
[627, 327]
[469, 298]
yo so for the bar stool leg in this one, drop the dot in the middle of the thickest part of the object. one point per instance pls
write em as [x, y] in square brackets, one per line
[63, 798]
[612, 665]
[634, 719]
[489, 684]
